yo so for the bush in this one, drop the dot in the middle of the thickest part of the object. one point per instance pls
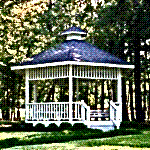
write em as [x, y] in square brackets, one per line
[52, 127]
[39, 127]
[65, 126]
[16, 126]
[135, 125]
[28, 126]
[79, 127]
[129, 124]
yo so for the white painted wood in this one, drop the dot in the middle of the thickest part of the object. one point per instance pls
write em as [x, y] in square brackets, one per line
[70, 93]
[115, 113]
[88, 113]
[57, 111]
[73, 32]
[112, 111]
[119, 96]
[27, 93]
[99, 114]
[103, 125]
[72, 63]
[74, 37]
[48, 111]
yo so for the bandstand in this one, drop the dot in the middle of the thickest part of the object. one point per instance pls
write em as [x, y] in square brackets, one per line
[58, 82]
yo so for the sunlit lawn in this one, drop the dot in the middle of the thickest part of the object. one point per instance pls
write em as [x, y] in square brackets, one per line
[79, 139]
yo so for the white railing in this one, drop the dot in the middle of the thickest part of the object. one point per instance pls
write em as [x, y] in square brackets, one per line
[57, 111]
[81, 111]
[115, 114]
[47, 111]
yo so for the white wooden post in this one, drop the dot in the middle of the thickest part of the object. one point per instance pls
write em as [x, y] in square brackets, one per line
[27, 93]
[88, 116]
[119, 98]
[82, 110]
[70, 93]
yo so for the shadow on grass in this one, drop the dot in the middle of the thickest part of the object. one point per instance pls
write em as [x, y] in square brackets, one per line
[58, 137]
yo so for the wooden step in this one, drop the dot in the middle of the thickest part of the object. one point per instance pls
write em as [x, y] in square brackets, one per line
[102, 125]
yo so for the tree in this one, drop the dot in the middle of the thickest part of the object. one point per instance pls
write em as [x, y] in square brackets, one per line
[127, 24]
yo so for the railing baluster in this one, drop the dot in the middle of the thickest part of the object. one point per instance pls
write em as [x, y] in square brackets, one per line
[51, 111]
[76, 112]
[67, 111]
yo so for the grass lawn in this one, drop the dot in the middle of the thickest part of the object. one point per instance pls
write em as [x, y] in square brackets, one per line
[70, 139]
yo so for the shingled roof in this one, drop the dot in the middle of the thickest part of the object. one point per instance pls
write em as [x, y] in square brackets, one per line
[74, 50]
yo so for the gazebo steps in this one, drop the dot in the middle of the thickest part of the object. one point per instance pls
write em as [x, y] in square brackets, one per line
[102, 125]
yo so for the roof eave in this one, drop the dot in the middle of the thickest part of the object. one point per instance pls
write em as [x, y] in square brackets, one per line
[73, 63]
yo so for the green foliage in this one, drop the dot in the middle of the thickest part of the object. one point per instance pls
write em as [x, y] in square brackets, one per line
[52, 127]
[65, 126]
[112, 27]
[135, 125]
[40, 127]
[79, 127]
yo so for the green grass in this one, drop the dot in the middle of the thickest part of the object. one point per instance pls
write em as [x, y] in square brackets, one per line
[142, 140]
[80, 137]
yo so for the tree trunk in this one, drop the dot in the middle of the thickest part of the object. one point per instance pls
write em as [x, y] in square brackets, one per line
[86, 92]
[102, 96]
[18, 98]
[114, 89]
[14, 93]
[7, 101]
[124, 101]
[96, 95]
[53, 91]
[131, 88]
[137, 76]
[131, 99]
[144, 100]
[149, 99]
[108, 89]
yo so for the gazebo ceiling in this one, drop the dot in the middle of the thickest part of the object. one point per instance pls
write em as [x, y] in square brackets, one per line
[75, 50]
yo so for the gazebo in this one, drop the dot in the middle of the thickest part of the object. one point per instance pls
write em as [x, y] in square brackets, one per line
[59, 81]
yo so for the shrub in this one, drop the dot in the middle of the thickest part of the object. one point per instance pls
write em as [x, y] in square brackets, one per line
[40, 127]
[65, 126]
[129, 124]
[28, 126]
[52, 127]
[79, 127]
[16, 126]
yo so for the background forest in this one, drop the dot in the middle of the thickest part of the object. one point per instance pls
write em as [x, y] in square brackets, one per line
[121, 27]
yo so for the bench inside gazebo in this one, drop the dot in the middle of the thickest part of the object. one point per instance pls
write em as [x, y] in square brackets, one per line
[64, 84]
